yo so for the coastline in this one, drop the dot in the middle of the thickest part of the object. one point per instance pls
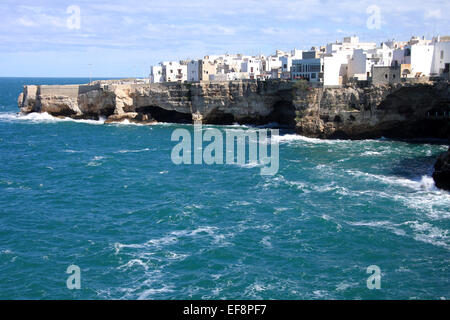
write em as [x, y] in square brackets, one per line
[405, 111]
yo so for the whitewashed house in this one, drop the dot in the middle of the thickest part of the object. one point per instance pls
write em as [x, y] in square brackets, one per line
[334, 69]
[156, 74]
[286, 61]
[418, 53]
[200, 70]
[361, 62]
[174, 71]
[441, 57]
[272, 62]
[252, 66]
[193, 71]
[348, 45]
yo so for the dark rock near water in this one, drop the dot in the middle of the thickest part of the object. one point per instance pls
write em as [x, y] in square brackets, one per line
[441, 173]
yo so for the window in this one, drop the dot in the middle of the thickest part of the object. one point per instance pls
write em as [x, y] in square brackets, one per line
[385, 76]
[442, 54]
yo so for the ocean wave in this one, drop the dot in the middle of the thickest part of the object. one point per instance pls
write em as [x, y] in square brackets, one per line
[44, 117]
[96, 161]
[127, 122]
[426, 232]
[150, 292]
[419, 231]
[133, 151]
[371, 153]
[172, 238]
[346, 285]
[248, 165]
[394, 228]
[289, 138]
[425, 183]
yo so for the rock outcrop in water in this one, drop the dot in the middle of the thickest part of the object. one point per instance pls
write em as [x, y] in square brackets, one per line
[441, 173]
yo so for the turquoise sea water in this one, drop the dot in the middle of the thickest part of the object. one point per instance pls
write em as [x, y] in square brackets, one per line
[108, 199]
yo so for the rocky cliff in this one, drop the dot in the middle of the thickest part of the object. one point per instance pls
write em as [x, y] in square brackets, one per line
[399, 111]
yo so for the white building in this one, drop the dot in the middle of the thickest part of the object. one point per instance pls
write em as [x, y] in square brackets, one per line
[193, 71]
[252, 66]
[349, 44]
[272, 62]
[335, 69]
[421, 59]
[286, 61]
[419, 54]
[441, 57]
[156, 74]
[361, 62]
[174, 71]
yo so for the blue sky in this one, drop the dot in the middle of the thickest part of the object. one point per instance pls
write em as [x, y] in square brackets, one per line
[123, 38]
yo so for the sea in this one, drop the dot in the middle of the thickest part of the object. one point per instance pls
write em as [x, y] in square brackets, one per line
[341, 219]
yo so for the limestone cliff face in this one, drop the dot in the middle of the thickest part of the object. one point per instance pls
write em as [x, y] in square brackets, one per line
[399, 111]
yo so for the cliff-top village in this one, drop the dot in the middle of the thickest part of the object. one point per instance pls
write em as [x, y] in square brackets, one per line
[336, 64]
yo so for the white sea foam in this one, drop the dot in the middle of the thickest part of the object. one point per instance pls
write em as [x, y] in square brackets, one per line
[426, 232]
[71, 151]
[127, 122]
[133, 151]
[346, 285]
[134, 262]
[95, 161]
[172, 238]
[43, 117]
[371, 153]
[287, 138]
[248, 165]
[395, 228]
[419, 231]
[150, 292]
[425, 183]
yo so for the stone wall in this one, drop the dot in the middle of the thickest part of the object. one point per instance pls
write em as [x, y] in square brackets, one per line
[385, 75]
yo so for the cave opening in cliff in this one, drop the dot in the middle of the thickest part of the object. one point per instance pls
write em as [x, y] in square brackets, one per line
[162, 115]
[284, 114]
[219, 117]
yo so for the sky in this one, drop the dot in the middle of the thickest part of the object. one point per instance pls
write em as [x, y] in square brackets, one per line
[49, 38]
